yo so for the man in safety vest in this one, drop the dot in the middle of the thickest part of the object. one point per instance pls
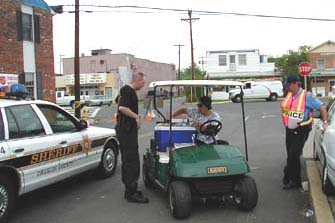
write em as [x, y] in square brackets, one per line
[297, 117]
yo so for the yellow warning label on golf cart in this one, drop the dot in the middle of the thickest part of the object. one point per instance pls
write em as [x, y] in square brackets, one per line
[216, 170]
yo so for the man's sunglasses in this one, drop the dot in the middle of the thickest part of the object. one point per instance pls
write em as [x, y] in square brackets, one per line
[199, 105]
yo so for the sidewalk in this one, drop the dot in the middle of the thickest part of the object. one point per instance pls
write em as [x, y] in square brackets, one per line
[323, 206]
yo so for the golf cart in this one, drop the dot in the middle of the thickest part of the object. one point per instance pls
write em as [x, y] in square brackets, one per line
[185, 170]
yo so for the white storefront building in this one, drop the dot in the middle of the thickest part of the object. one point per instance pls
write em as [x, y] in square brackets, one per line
[238, 64]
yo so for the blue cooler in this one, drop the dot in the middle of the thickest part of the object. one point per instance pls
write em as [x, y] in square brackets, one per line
[179, 135]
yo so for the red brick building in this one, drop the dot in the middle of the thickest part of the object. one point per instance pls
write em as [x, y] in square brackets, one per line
[26, 45]
[322, 59]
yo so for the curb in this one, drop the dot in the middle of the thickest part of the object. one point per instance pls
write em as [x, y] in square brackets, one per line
[322, 210]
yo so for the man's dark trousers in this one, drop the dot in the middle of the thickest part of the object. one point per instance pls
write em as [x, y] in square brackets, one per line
[128, 139]
[295, 141]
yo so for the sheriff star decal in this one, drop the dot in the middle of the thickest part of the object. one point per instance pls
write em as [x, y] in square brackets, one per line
[86, 144]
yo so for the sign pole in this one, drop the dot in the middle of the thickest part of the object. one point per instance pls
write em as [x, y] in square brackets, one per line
[305, 78]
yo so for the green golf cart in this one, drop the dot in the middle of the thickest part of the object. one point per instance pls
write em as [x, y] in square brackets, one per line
[185, 170]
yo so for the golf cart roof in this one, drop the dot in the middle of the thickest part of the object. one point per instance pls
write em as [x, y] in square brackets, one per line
[196, 83]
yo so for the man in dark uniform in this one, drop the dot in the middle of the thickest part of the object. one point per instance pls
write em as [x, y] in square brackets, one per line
[127, 133]
[297, 117]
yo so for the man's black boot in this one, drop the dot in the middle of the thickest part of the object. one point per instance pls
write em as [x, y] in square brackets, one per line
[137, 197]
[291, 185]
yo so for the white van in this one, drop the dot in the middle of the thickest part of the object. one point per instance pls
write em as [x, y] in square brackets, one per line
[221, 93]
[268, 90]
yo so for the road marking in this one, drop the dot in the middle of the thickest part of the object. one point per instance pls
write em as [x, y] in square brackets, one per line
[254, 168]
[269, 116]
[94, 114]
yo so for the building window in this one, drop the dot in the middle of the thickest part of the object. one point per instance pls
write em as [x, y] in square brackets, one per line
[331, 84]
[242, 59]
[232, 59]
[27, 27]
[222, 60]
[29, 83]
[321, 64]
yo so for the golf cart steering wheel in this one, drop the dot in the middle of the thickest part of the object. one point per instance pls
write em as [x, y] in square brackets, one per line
[210, 127]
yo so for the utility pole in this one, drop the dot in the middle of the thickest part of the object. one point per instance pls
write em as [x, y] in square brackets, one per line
[190, 20]
[77, 63]
[179, 45]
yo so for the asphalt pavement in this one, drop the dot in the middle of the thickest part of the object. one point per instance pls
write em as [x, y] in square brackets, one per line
[85, 199]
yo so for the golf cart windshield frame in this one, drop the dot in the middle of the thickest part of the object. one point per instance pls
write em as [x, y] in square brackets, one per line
[196, 83]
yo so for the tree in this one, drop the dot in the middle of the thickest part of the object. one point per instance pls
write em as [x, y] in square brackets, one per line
[186, 74]
[288, 63]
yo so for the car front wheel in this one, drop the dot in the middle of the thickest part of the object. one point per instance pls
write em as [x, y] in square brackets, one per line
[238, 98]
[108, 161]
[7, 197]
[273, 97]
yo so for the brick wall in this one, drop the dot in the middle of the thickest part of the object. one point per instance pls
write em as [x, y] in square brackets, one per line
[329, 60]
[11, 50]
[45, 56]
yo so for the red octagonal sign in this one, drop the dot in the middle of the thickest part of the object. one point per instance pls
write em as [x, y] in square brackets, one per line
[305, 68]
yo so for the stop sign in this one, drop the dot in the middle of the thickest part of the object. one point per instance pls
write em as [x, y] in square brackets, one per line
[305, 68]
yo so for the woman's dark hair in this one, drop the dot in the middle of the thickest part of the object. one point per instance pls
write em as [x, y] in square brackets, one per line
[207, 101]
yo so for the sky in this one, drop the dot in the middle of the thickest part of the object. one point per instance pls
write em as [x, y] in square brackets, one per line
[153, 35]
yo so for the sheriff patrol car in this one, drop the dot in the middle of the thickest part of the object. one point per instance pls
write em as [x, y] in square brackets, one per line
[41, 143]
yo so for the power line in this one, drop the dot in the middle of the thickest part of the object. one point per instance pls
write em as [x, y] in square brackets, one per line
[202, 12]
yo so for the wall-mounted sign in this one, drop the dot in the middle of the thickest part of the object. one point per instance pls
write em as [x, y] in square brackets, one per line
[93, 78]
[6, 80]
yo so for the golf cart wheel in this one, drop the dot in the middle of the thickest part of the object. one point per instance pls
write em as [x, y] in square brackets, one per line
[108, 161]
[245, 193]
[145, 174]
[273, 97]
[237, 98]
[180, 199]
[7, 197]
[327, 186]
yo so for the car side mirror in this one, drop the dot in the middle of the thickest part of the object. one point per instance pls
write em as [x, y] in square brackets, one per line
[82, 124]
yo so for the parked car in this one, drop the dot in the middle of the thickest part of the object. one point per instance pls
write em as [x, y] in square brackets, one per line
[268, 90]
[99, 100]
[64, 99]
[324, 150]
[41, 143]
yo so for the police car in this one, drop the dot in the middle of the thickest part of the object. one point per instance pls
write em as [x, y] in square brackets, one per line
[41, 143]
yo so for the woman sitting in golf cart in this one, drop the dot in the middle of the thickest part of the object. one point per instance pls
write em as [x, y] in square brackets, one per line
[201, 115]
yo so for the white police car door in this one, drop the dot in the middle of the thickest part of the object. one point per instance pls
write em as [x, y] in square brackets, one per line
[5, 152]
[31, 147]
[78, 156]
